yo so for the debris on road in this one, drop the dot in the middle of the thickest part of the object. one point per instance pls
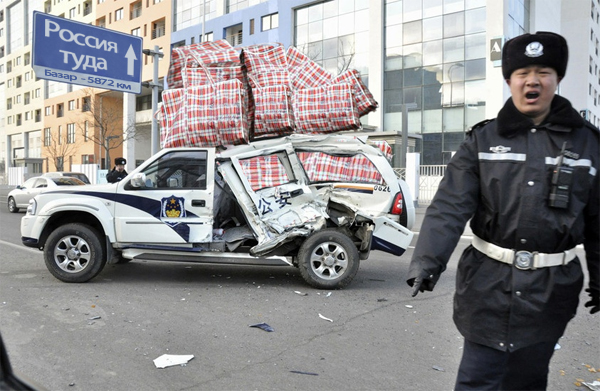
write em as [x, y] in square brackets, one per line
[322, 317]
[169, 360]
[305, 373]
[594, 386]
[408, 306]
[263, 326]
[301, 293]
[439, 368]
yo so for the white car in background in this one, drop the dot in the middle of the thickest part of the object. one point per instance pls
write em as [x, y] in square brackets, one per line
[19, 197]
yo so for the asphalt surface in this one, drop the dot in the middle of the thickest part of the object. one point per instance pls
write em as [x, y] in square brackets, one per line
[106, 334]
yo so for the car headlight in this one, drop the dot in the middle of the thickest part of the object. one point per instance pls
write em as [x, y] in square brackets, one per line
[31, 208]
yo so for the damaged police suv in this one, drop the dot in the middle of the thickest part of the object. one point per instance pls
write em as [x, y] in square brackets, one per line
[319, 203]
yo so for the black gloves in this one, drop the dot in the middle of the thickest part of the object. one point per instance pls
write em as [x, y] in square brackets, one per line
[594, 302]
[420, 285]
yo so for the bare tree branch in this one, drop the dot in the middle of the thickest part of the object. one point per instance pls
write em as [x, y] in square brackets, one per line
[103, 122]
[59, 149]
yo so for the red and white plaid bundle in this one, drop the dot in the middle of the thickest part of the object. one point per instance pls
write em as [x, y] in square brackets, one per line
[204, 115]
[365, 102]
[325, 109]
[304, 72]
[384, 147]
[264, 171]
[267, 64]
[322, 167]
[207, 52]
[272, 111]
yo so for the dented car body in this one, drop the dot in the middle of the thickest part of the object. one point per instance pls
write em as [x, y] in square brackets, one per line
[320, 203]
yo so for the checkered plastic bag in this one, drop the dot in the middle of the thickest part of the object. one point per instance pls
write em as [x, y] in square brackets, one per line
[205, 115]
[267, 64]
[273, 114]
[325, 109]
[207, 52]
[264, 171]
[365, 102]
[172, 116]
[304, 72]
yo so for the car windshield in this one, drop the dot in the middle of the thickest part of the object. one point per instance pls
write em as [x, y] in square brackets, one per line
[67, 181]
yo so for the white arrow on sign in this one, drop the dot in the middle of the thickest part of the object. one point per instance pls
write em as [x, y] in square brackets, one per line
[130, 56]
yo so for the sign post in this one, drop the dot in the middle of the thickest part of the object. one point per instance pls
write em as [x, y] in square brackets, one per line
[78, 53]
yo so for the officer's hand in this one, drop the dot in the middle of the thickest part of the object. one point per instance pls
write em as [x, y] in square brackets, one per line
[417, 286]
[594, 302]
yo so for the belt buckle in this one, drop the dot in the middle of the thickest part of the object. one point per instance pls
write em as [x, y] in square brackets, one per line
[523, 260]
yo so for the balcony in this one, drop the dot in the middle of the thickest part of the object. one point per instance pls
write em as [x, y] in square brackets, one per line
[158, 32]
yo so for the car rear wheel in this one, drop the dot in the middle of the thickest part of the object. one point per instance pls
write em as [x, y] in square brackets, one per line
[12, 205]
[328, 259]
[74, 253]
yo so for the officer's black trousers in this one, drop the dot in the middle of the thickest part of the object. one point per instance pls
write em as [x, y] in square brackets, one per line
[483, 368]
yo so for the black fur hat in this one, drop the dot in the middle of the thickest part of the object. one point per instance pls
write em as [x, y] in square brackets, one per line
[541, 48]
[120, 160]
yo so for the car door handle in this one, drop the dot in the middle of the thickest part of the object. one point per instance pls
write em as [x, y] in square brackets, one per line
[200, 203]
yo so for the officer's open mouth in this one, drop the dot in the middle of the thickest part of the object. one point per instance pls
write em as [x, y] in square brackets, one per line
[532, 95]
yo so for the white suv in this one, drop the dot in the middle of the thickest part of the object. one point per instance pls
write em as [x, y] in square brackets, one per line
[320, 203]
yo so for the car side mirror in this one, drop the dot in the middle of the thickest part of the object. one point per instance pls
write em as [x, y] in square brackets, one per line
[138, 180]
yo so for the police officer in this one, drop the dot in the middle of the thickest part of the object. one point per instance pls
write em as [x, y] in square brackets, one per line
[528, 180]
[117, 173]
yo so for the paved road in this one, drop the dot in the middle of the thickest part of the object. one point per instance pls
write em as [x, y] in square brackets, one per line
[105, 334]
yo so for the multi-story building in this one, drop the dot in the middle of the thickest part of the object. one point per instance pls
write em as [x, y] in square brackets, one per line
[438, 61]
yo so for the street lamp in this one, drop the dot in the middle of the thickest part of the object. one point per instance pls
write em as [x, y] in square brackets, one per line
[459, 65]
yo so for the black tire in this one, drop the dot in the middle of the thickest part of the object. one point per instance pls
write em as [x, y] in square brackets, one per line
[328, 259]
[12, 205]
[74, 253]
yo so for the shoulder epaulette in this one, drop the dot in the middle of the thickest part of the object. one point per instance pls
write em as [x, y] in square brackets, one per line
[479, 125]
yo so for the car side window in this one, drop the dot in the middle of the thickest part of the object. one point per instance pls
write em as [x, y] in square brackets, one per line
[178, 170]
[264, 171]
[41, 182]
[324, 167]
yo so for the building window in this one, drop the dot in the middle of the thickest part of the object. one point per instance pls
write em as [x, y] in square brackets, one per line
[27, 58]
[70, 133]
[27, 98]
[38, 115]
[9, 104]
[136, 32]
[270, 22]
[27, 76]
[158, 29]
[18, 61]
[9, 67]
[101, 1]
[59, 134]
[119, 14]
[101, 22]
[251, 26]
[136, 10]
[87, 159]
[85, 106]
[72, 13]
[19, 81]
[208, 37]
[60, 110]
[48, 110]
[18, 99]
[27, 115]
[47, 137]
[38, 93]
[71, 105]
[19, 120]
[86, 130]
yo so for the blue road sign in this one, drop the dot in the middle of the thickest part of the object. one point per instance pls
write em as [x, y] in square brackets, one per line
[78, 53]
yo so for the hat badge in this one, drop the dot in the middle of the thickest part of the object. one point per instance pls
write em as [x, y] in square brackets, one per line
[534, 49]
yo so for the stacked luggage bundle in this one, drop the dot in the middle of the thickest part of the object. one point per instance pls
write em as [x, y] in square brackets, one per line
[219, 96]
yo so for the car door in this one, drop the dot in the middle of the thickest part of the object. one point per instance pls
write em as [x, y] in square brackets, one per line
[31, 188]
[176, 204]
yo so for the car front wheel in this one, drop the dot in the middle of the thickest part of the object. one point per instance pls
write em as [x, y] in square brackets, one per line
[328, 259]
[12, 205]
[74, 253]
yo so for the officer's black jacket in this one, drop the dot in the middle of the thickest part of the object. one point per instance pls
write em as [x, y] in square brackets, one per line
[115, 176]
[500, 178]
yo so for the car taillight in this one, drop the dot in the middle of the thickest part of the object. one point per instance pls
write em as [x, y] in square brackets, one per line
[397, 206]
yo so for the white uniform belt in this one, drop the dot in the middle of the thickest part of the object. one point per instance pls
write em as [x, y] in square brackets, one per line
[524, 260]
